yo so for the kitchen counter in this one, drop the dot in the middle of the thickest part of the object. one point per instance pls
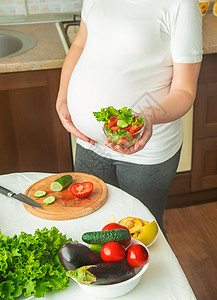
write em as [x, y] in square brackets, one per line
[49, 53]
[209, 34]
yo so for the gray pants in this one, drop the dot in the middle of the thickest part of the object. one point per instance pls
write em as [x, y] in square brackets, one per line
[148, 183]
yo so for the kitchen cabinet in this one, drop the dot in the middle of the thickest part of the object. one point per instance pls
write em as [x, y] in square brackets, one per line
[204, 171]
[32, 137]
[200, 184]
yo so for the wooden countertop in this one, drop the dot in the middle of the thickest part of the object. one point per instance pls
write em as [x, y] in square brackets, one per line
[48, 53]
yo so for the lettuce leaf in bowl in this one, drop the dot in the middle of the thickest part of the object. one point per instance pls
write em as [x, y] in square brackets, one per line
[124, 114]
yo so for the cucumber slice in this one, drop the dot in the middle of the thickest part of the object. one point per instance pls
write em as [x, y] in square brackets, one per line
[61, 183]
[122, 124]
[39, 194]
[49, 200]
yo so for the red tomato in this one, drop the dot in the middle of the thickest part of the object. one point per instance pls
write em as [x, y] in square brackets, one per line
[136, 255]
[112, 226]
[127, 128]
[112, 121]
[135, 128]
[112, 251]
[81, 190]
[114, 128]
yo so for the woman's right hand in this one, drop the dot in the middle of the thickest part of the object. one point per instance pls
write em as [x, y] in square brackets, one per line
[65, 118]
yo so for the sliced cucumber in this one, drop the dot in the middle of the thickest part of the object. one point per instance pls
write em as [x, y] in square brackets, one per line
[122, 124]
[49, 200]
[61, 183]
[39, 194]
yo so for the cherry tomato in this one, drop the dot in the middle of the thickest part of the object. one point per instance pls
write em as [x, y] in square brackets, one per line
[112, 121]
[136, 255]
[112, 251]
[112, 226]
[81, 190]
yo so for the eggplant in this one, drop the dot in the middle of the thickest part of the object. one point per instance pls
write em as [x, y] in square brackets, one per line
[74, 255]
[102, 273]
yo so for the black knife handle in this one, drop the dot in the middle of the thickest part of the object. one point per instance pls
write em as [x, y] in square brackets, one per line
[5, 191]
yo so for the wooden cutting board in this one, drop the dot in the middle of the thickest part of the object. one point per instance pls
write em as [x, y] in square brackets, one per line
[67, 206]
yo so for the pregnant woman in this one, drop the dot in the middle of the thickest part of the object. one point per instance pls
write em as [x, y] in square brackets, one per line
[144, 55]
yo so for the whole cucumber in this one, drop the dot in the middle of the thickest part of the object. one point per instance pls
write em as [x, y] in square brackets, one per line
[74, 255]
[103, 237]
[103, 273]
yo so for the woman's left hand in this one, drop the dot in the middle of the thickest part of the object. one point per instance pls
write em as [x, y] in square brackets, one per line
[139, 145]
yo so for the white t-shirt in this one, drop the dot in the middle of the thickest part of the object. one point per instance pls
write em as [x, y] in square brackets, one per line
[128, 61]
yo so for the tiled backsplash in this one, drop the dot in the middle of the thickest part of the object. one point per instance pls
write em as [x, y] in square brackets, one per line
[17, 7]
[12, 7]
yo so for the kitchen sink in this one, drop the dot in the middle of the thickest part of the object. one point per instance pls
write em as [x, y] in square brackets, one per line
[15, 42]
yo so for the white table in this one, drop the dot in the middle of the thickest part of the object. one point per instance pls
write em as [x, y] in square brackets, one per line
[164, 279]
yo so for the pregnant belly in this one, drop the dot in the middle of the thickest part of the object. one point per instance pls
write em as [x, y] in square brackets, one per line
[87, 94]
[81, 111]
[87, 124]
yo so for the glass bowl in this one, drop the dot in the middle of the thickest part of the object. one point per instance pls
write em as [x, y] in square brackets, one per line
[124, 140]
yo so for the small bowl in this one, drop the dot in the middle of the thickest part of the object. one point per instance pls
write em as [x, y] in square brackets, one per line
[117, 289]
[124, 140]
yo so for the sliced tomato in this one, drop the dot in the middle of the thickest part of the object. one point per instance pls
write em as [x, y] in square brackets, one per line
[135, 129]
[114, 128]
[113, 121]
[81, 190]
[127, 128]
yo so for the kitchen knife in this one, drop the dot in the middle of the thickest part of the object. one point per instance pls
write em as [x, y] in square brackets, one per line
[20, 197]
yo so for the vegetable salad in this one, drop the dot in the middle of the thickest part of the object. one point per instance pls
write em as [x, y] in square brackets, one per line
[121, 126]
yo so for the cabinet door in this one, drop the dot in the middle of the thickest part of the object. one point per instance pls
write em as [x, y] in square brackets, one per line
[205, 111]
[204, 164]
[32, 137]
[204, 171]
